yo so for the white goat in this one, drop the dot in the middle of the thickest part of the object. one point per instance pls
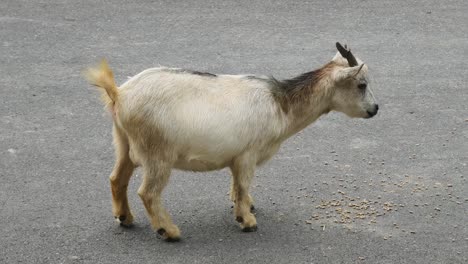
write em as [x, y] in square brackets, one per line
[167, 118]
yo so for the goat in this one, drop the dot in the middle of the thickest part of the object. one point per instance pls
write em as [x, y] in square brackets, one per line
[171, 118]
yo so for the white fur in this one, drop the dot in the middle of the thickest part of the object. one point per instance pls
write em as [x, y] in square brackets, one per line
[207, 120]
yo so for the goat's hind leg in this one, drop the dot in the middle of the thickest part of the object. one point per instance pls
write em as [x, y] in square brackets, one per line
[119, 179]
[156, 177]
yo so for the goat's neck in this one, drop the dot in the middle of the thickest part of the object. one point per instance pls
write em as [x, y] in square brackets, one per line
[302, 115]
[303, 105]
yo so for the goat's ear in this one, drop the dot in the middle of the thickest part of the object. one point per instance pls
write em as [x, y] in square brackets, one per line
[347, 73]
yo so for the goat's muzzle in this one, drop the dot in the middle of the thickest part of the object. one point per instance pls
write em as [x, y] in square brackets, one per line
[373, 112]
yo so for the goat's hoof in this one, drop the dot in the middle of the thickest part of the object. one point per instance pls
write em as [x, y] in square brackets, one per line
[249, 229]
[126, 225]
[125, 221]
[173, 236]
[172, 239]
[248, 223]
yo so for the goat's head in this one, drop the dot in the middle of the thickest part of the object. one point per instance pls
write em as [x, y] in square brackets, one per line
[352, 94]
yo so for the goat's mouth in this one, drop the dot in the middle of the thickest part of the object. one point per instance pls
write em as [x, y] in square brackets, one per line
[370, 114]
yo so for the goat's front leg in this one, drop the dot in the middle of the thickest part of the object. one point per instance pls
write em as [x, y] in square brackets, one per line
[156, 177]
[243, 169]
[232, 195]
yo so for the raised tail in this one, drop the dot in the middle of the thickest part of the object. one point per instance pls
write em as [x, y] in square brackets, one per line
[103, 77]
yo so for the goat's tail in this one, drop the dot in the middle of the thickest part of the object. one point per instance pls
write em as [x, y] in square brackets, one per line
[103, 77]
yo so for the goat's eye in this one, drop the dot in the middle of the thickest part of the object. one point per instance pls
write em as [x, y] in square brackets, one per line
[362, 86]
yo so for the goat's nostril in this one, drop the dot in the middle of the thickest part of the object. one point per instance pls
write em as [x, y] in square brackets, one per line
[376, 107]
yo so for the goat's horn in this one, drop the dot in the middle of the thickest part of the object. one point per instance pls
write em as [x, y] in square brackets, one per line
[346, 53]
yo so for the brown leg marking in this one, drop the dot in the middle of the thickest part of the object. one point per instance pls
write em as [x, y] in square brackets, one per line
[120, 176]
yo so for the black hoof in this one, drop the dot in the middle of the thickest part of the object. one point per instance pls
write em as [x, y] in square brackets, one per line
[239, 219]
[170, 239]
[249, 229]
[122, 219]
[161, 231]
[126, 225]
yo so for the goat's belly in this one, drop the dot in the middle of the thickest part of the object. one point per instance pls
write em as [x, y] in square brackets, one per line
[195, 154]
[199, 164]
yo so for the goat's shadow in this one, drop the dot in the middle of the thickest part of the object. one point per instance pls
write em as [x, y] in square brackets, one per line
[207, 230]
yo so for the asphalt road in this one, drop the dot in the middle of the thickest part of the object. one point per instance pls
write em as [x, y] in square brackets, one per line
[392, 189]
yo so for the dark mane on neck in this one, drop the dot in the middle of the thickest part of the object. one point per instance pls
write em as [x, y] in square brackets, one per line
[298, 83]
[298, 89]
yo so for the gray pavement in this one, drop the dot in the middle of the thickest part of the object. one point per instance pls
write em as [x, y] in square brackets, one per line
[392, 189]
